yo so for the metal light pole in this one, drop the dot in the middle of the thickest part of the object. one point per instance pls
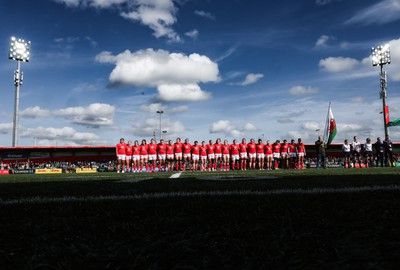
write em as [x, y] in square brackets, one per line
[19, 51]
[381, 57]
[160, 112]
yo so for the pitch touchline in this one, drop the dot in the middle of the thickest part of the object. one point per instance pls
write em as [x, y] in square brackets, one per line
[182, 194]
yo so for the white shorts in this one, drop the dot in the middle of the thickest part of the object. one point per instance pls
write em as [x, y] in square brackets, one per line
[186, 155]
[235, 157]
[284, 155]
[195, 157]
[170, 156]
[211, 156]
[243, 155]
[269, 156]
[162, 156]
[252, 155]
[178, 155]
[203, 158]
[293, 154]
[128, 157]
[260, 155]
[226, 156]
[121, 157]
[218, 155]
[277, 155]
[144, 156]
[301, 154]
[136, 157]
[152, 157]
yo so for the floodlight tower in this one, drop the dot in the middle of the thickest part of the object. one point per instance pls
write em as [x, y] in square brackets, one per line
[160, 112]
[19, 51]
[381, 57]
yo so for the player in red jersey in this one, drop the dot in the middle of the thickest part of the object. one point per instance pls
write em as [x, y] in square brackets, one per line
[144, 156]
[218, 154]
[178, 154]
[276, 150]
[225, 155]
[211, 156]
[162, 155]
[195, 155]
[268, 155]
[152, 148]
[120, 153]
[301, 152]
[243, 154]
[136, 156]
[234, 148]
[251, 149]
[203, 156]
[260, 154]
[128, 157]
[292, 155]
[187, 148]
[170, 155]
[285, 155]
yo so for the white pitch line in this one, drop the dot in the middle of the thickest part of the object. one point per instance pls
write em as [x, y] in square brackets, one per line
[182, 194]
[176, 175]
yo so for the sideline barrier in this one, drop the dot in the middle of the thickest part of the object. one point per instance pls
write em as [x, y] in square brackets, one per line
[86, 170]
[47, 171]
[23, 171]
[4, 171]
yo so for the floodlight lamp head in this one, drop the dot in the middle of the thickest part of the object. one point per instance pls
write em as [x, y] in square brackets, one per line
[381, 55]
[19, 50]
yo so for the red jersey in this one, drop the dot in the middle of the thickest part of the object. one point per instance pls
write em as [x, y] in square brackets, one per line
[268, 149]
[170, 149]
[136, 150]
[210, 148]
[196, 149]
[128, 150]
[203, 150]
[251, 147]
[300, 148]
[152, 147]
[292, 148]
[186, 148]
[225, 149]
[178, 147]
[121, 147]
[284, 147]
[218, 148]
[234, 149]
[260, 148]
[143, 149]
[243, 148]
[276, 147]
[161, 148]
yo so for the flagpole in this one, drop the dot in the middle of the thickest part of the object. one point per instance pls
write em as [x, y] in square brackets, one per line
[327, 124]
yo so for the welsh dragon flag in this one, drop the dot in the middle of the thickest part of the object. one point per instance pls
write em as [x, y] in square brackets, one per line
[331, 129]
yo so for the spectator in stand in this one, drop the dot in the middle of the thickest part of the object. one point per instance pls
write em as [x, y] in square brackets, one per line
[170, 155]
[144, 156]
[128, 156]
[260, 151]
[121, 154]
[380, 151]
[268, 155]
[320, 149]
[218, 154]
[235, 156]
[162, 155]
[301, 152]
[346, 153]
[187, 152]
[178, 154]
[203, 156]
[252, 152]
[368, 152]
[284, 155]
[388, 151]
[211, 156]
[195, 155]
[243, 154]
[356, 146]
[136, 156]
[276, 150]
[225, 156]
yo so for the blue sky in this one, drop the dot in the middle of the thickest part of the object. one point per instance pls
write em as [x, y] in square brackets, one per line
[100, 69]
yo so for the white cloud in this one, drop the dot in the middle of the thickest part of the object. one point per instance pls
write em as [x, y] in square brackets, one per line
[325, 2]
[152, 108]
[178, 109]
[33, 112]
[322, 41]
[338, 64]
[225, 127]
[175, 75]
[303, 90]
[6, 128]
[192, 34]
[205, 14]
[152, 125]
[311, 126]
[383, 12]
[251, 78]
[250, 127]
[95, 115]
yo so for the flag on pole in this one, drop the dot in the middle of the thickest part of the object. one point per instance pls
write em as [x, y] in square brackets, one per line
[330, 129]
[394, 122]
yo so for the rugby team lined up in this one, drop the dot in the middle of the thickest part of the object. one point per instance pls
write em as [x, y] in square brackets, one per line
[222, 156]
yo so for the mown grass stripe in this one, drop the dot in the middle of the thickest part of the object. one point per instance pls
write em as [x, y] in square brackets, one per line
[164, 195]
